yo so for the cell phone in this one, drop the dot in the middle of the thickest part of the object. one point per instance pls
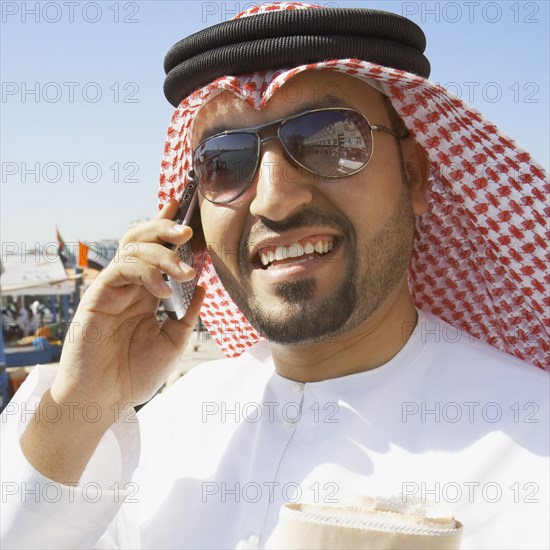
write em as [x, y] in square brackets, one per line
[176, 306]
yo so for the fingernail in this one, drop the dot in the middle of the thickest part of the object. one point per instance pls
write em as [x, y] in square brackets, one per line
[178, 228]
[185, 268]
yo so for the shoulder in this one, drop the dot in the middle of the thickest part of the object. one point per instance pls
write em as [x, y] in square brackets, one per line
[458, 366]
[451, 347]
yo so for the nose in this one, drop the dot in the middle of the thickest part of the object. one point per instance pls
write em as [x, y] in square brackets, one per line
[281, 187]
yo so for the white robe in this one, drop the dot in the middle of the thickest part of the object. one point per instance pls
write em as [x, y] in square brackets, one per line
[448, 419]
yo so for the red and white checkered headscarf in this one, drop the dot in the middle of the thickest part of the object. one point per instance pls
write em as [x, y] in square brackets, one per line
[481, 252]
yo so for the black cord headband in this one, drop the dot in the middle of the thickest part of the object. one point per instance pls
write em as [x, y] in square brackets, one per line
[283, 39]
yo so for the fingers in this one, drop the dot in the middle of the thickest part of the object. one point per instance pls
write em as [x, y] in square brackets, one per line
[140, 274]
[179, 331]
[168, 210]
[159, 231]
[143, 257]
[164, 259]
[143, 264]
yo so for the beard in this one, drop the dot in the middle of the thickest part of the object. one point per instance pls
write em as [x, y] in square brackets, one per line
[296, 316]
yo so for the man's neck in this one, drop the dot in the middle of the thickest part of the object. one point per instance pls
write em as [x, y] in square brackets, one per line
[369, 345]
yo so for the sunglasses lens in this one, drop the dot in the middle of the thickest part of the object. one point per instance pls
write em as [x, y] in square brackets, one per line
[225, 165]
[333, 143]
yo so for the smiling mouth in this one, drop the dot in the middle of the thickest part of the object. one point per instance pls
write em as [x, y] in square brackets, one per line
[296, 253]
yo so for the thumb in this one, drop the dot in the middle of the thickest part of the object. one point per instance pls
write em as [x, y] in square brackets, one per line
[179, 331]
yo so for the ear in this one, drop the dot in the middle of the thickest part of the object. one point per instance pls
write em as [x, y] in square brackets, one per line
[416, 169]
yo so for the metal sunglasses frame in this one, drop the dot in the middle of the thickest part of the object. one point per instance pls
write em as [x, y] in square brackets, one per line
[280, 123]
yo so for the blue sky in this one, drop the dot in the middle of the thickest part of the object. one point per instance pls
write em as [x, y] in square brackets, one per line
[95, 124]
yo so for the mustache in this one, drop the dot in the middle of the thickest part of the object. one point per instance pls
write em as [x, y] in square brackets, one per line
[308, 217]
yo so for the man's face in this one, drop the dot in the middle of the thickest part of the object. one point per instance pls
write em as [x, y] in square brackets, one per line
[365, 221]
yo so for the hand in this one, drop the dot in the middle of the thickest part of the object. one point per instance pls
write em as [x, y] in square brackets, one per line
[116, 353]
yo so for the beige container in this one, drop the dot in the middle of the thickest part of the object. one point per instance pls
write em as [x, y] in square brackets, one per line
[310, 526]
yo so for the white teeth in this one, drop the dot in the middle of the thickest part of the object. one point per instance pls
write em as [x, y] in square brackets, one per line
[295, 250]
[280, 253]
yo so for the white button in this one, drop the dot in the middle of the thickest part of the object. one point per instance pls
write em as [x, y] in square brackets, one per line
[254, 539]
[297, 387]
[252, 542]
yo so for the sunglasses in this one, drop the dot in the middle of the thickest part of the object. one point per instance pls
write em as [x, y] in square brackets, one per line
[330, 142]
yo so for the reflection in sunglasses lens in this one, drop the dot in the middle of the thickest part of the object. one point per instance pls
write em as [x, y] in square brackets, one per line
[224, 165]
[331, 143]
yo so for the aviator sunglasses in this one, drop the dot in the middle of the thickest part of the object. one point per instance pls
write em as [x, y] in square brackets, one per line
[329, 142]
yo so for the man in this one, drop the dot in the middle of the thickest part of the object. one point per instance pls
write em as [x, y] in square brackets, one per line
[353, 392]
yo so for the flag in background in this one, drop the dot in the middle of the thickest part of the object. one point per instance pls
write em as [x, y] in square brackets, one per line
[65, 253]
[92, 255]
[83, 251]
[96, 255]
